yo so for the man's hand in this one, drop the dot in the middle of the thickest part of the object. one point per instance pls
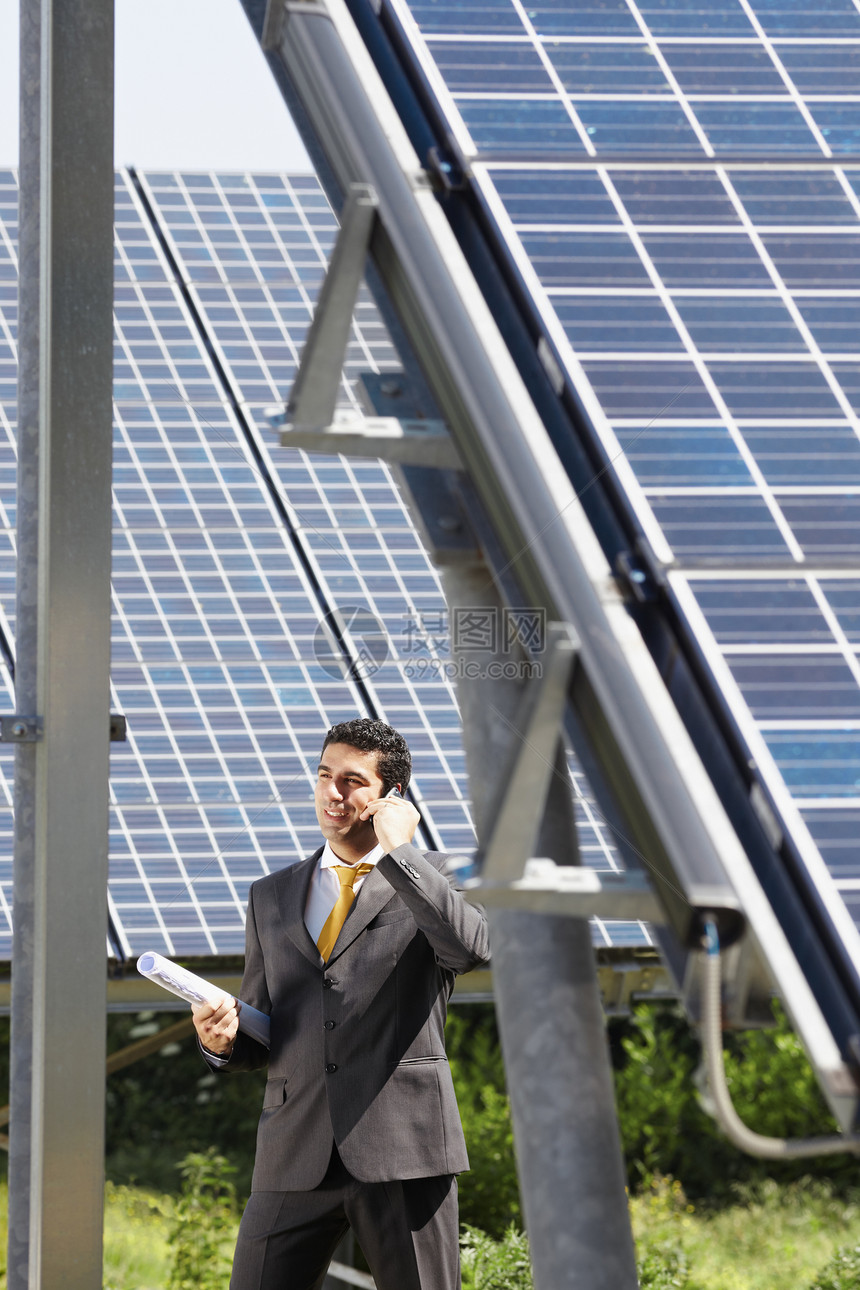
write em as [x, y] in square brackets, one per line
[217, 1026]
[394, 819]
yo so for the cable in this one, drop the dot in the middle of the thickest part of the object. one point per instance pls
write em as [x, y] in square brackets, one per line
[755, 1144]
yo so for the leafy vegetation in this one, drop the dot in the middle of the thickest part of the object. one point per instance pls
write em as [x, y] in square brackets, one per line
[705, 1216]
[495, 1265]
[489, 1193]
[665, 1130]
[842, 1272]
[203, 1224]
[136, 1249]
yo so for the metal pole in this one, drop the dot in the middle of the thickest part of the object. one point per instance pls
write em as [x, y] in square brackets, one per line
[550, 1017]
[56, 1161]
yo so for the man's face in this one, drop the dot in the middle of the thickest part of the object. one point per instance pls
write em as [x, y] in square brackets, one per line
[346, 781]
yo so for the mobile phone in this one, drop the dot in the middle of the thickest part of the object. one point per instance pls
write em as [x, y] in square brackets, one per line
[394, 792]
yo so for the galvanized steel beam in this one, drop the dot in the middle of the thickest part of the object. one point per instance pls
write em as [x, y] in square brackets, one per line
[63, 645]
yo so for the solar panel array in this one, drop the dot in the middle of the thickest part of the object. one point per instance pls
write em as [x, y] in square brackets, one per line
[259, 594]
[705, 307]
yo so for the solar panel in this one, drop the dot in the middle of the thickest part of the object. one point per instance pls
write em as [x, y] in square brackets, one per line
[701, 312]
[232, 559]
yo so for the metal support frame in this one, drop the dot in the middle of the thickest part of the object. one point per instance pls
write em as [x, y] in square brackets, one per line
[56, 1165]
[419, 443]
[625, 722]
[545, 981]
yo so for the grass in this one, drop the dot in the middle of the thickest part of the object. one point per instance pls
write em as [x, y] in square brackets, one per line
[771, 1238]
[136, 1251]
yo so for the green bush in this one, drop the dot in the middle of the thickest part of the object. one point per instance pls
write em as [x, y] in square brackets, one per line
[204, 1224]
[505, 1264]
[489, 1193]
[136, 1252]
[663, 1267]
[842, 1272]
[662, 1124]
[664, 1129]
[660, 1258]
[495, 1265]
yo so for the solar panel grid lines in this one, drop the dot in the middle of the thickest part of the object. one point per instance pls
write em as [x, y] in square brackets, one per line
[755, 733]
[587, 61]
[325, 519]
[554, 322]
[704, 375]
[216, 618]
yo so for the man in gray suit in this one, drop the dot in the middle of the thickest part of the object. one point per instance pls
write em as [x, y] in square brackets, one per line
[353, 953]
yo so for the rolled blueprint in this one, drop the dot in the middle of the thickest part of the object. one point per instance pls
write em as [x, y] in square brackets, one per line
[195, 989]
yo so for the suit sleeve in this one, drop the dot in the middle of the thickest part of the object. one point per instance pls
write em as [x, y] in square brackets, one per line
[248, 1054]
[456, 930]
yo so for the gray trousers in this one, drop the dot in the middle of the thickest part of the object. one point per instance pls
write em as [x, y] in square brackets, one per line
[408, 1232]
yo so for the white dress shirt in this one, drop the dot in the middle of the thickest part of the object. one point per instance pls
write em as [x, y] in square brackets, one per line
[325, 888]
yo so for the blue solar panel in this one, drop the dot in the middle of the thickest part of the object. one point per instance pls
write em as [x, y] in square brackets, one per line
[702, 307]
[229, 555]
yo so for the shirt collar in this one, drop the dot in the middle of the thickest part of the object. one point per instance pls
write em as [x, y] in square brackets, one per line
[328, 859]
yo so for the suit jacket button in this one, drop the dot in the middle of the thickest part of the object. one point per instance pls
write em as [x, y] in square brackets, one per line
[330, 1068]
[327, 983]
[329, 1025]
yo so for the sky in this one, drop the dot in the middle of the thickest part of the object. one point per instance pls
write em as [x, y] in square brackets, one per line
[193, 90]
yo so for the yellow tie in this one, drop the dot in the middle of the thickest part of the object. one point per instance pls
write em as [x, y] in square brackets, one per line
[336, 919]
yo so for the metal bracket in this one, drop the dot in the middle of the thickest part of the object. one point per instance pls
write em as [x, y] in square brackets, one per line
[118, 728]
[548, 888]
[521, 798]
[20, 730]
[28, 730]
[437, 511]
[414, 443]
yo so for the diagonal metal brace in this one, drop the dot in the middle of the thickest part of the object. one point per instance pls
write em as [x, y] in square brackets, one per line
[519, 806]
[316, 388]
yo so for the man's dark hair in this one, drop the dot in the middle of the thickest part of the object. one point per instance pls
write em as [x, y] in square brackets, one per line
[394, 763]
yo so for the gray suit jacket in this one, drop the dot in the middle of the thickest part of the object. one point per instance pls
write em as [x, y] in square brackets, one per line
[357, 1050]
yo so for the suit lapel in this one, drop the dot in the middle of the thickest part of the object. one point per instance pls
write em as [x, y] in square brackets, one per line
[374, 895]
[292, 900]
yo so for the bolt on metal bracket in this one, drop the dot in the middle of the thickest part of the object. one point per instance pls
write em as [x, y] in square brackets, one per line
[20, 730]
[28, 730]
